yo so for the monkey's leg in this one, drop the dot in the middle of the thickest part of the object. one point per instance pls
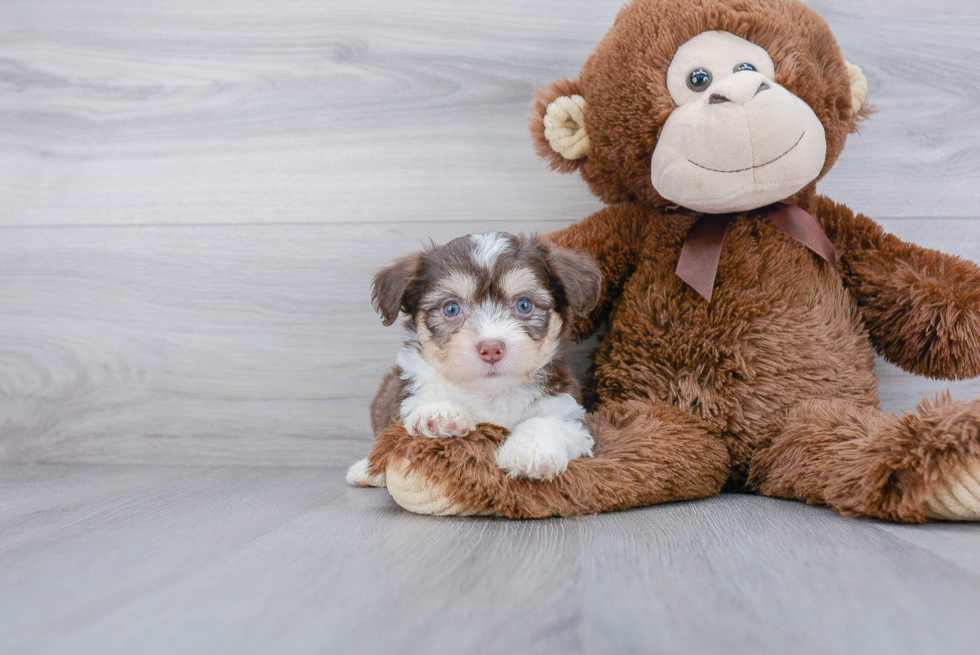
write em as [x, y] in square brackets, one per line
[645, 454]
[863, 462]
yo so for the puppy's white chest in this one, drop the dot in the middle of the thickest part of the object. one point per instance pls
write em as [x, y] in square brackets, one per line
[505, 409]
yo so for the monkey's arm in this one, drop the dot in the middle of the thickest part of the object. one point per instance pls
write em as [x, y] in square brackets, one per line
[612, 236]
[921, 306]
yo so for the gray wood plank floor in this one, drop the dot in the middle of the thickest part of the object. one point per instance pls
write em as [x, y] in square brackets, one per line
[130, 559]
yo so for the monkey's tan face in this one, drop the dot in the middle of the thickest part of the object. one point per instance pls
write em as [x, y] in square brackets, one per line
[737, 140]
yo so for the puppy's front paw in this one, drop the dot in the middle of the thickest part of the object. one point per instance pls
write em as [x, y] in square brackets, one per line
[439, 420]
[533, 451]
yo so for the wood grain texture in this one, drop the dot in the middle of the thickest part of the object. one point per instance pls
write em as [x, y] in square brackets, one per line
[235, 560]
[922, 148]
[380, 110]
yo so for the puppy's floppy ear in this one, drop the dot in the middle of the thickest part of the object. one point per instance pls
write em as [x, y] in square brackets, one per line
[557, 125]
[389, 287]
[579, 277]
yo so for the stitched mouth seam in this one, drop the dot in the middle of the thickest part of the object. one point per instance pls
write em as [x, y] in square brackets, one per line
[742, 170]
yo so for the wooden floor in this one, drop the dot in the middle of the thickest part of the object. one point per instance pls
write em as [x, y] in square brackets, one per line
[128, 559]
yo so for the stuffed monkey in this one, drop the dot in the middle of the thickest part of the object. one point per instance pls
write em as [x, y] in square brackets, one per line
[744, 310]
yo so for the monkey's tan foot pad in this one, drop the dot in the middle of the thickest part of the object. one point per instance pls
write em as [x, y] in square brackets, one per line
[416, 493]
[958, 497]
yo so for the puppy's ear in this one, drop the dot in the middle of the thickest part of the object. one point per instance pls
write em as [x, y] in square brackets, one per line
[389, 287]
[579, 277]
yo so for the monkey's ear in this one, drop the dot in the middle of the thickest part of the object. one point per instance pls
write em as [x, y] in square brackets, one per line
[558, 125]
[859, 87]
[389, 287]
[579, 277]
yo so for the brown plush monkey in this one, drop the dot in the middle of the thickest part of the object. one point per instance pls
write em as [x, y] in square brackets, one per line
[744, 310]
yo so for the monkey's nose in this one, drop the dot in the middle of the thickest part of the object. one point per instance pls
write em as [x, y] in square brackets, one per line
[738, 88]
[491, 351]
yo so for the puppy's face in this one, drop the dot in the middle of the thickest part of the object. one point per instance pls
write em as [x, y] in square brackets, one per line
[487, 312]
[489, 309]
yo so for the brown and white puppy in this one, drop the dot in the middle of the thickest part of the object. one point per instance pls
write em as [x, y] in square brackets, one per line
[488, 317]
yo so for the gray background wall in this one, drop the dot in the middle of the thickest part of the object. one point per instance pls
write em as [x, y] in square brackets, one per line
[193, 197]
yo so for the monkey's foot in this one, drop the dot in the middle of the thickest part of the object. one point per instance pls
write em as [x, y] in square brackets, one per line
[416, 493]
[958, 497]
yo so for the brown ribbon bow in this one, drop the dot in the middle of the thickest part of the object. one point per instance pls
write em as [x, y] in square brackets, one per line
[701, 253]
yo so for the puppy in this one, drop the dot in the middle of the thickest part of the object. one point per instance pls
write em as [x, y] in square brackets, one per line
[487, 322]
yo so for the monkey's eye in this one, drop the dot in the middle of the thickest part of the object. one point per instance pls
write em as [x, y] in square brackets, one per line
[699, 80]
[744, 67]
[451, 309]
[523, 306]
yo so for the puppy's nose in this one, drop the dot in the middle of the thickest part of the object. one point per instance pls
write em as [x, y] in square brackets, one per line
[491, 351]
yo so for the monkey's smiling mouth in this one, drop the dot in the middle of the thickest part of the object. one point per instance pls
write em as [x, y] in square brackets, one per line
[742, 170]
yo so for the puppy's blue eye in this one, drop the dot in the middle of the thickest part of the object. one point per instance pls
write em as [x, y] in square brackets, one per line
[523, 306]
[450, 309]
[744, 67]
[699, 80]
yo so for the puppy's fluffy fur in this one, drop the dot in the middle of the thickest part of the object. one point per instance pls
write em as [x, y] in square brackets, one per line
[487, 322]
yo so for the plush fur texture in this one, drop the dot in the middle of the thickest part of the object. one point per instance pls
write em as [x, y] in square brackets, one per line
[768, 388]
[630, 468]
